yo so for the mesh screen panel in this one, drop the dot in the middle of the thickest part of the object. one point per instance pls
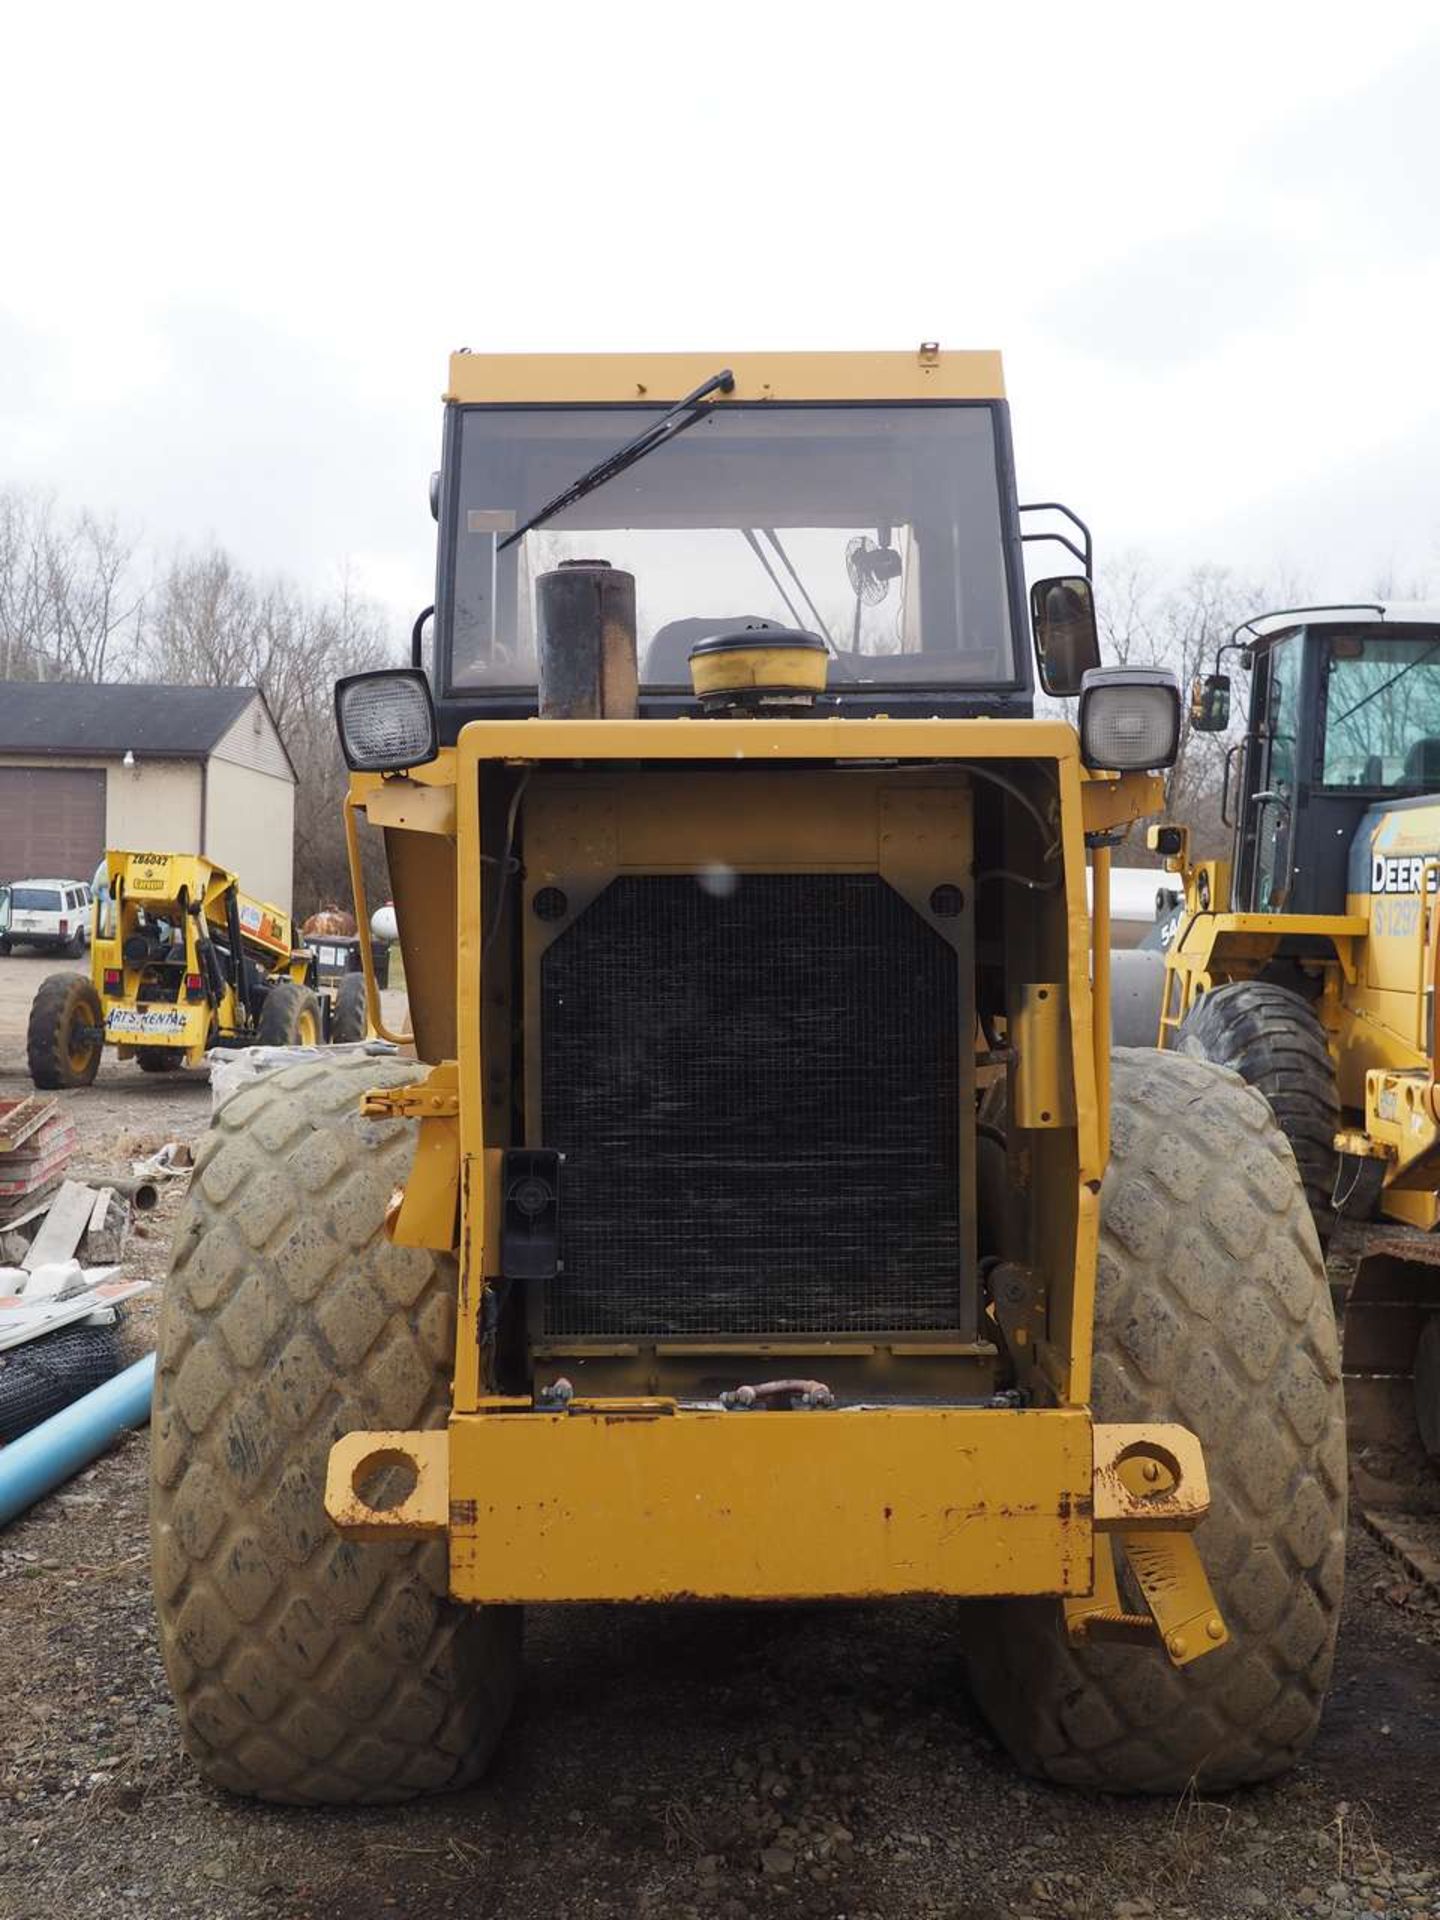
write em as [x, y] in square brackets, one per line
[757, 1099]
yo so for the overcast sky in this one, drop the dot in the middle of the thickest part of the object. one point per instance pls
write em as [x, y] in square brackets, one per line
[240, 243]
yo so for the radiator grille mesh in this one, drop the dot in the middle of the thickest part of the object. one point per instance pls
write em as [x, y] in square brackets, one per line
[756, 1096]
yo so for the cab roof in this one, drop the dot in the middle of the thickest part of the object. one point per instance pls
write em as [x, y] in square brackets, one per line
[1348, 614]
[663, 378]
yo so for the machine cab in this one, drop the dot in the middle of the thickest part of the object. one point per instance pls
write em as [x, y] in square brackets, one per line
[1344, 715]
[867, 500]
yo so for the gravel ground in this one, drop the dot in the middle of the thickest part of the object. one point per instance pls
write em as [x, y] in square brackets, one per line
[712, 1763]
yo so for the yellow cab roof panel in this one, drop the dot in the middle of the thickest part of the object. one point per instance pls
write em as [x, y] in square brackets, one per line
[663, 378]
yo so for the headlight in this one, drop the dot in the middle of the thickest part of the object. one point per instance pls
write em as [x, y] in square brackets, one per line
[386, 720]
[1129, 718]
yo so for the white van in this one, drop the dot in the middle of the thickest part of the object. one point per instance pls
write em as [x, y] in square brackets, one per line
[54, 914]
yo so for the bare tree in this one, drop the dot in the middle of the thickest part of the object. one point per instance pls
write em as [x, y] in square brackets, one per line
[1181, 624]
[211, 623]
[69, 599]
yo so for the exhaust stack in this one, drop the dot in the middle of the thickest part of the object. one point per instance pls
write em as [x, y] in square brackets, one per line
[585, 641]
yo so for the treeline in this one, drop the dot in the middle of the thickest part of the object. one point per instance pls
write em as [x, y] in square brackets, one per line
[78, 602]
[1146, 620]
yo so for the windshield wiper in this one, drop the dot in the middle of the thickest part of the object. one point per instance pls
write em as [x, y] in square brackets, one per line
[682, 415]
[1385, 685]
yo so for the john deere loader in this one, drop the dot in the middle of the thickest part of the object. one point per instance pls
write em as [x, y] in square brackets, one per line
[765, 1217]
[1307, 963]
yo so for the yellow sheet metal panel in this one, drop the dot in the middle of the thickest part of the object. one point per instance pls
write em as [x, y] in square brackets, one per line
[1042, 1083]
[1113, 800]
[752, 740]
[769, 1506]
[662, 378]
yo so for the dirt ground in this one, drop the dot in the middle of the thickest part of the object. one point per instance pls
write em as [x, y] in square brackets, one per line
[662, 1760]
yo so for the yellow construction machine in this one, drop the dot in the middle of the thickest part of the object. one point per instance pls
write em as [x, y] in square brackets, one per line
[730, 864]
[1307, 963]
[180, 961]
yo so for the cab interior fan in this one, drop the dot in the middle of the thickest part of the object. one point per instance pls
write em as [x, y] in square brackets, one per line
[871, 565]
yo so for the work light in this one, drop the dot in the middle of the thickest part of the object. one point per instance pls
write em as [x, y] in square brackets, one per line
[386, 720]
[1129, 718]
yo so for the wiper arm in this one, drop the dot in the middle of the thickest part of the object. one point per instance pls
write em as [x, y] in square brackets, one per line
[789, 565]
[1385, 685]
[682, 415]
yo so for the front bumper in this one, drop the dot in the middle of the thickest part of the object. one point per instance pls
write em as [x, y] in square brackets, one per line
[133, 1028]
[642, 1501]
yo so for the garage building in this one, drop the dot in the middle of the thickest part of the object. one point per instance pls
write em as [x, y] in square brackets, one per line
[176, 769]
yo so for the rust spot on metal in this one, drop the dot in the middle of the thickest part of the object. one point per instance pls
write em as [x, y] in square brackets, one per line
[466, 1235]
[462, 1513]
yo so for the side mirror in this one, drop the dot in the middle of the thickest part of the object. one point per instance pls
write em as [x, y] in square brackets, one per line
[1210, 703]
[1067, 645]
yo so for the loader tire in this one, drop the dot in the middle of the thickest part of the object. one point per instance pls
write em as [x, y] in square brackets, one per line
[290, 1017]
[307, 1667]
[350, 1019]
[1211, 1309]
[56, 1057]
[1271, 1038]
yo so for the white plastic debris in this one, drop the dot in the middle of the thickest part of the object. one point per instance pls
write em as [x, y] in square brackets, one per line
[54, 1280]
[165, 1163]
[232, 1068]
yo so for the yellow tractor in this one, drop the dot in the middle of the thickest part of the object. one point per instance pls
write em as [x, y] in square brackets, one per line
[686, 1262]
[1307, 963]
[180, 961]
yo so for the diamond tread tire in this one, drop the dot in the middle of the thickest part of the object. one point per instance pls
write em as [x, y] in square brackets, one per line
[306, 1667]
[1271, 1038]
[1211, 1309]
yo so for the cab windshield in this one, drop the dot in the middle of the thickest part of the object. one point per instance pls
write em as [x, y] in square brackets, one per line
[878, 527]
[1382, 713]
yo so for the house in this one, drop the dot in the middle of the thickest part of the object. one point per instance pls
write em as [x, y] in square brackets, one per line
[179, 769]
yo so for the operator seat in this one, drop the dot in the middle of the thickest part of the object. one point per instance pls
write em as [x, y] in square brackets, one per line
[1422, 766]
[667, 658]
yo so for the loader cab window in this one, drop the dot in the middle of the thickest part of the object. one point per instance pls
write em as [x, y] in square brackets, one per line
[879, 527]
[1279, 693]
[1382, 713]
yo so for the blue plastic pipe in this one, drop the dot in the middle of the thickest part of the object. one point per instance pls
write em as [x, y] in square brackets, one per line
[41, 1460]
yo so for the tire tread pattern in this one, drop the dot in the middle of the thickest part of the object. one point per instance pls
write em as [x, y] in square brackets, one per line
[51, 1011]
[1211, 1308]
[1271, 1038]
[306, 1667]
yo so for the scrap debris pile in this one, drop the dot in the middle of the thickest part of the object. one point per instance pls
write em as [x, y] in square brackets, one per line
[61, 1244]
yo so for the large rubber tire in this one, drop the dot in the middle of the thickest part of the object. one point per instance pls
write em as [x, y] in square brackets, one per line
[349, 1020]
[1211, 1309]
[290, 1017]
[1271, 1038]
[306, 1667]
[56, 1059]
